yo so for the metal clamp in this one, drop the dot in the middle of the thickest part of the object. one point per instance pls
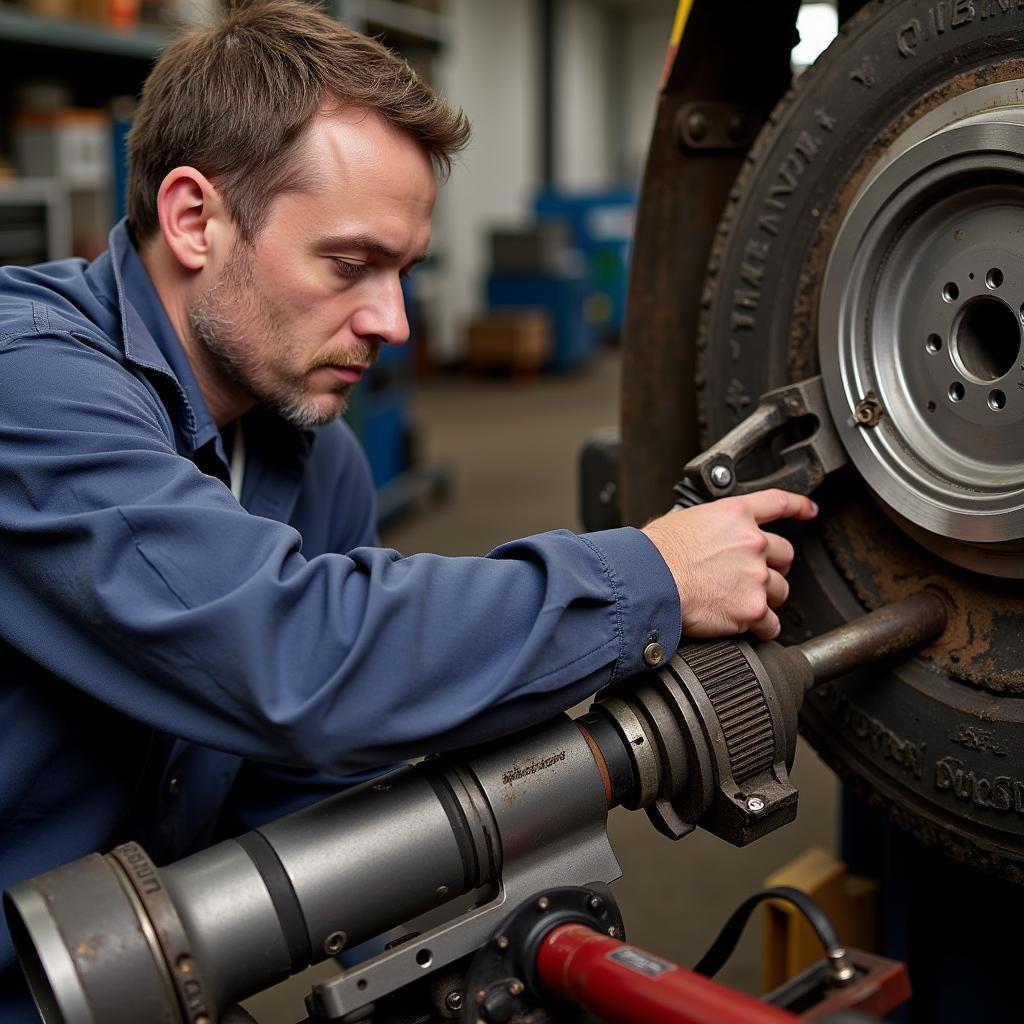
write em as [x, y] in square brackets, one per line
[712, 124]
[803, 465]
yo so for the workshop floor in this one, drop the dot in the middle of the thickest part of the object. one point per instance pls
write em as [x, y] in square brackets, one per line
[512, 449]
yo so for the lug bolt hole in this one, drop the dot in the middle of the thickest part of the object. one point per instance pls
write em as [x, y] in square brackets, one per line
[994, 278]
[934, 343]
[996, 399]
[950, 292]
[956, 391]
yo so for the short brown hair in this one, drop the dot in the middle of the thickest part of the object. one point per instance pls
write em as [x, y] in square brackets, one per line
[232, 99]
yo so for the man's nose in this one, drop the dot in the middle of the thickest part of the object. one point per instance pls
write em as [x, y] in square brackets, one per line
[383, 316]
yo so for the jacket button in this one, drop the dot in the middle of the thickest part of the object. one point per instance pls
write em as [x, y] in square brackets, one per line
[653, 653]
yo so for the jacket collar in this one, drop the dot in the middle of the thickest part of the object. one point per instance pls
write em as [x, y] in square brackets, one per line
[151, 343]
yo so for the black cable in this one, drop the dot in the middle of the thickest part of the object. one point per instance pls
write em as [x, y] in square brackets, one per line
[722, 948]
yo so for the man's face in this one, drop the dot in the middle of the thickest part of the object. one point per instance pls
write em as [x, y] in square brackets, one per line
[294, 318]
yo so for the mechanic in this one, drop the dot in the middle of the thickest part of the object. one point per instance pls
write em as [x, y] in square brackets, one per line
[197, 632]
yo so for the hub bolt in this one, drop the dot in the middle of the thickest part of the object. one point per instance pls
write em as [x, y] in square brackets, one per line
[868, 411]
[721, 476]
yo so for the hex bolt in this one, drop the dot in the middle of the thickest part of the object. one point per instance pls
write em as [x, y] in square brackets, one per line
[613, 931]
[595, 903]
[335, 943]
[453, 1001]
[515, 987]
[501, 942]
[543, 904]
[721, 476]
[441, 892]
[755, 804]
[868, 411]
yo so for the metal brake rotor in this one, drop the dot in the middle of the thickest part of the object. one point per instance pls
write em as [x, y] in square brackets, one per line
[920, 338]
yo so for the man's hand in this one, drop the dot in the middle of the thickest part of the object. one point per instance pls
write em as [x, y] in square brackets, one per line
[730, 573]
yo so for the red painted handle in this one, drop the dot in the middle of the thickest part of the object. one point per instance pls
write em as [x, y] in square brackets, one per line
[626, 985]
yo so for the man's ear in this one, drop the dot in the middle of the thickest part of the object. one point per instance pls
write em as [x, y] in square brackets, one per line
[188, 206]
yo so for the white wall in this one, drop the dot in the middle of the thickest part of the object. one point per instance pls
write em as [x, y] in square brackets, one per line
[583, 84]
[607, 65]
[492, 69]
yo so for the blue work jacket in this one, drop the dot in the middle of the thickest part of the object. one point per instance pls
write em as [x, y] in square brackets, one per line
[176, 666]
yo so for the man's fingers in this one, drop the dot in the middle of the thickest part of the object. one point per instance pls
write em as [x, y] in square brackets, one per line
[777, 589]
[779, 553]
[767, 506]
[767, 628]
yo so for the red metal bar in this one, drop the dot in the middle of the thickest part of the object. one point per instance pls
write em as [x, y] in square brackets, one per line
[626, 985]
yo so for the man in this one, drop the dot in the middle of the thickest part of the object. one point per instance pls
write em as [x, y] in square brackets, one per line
[180, 662]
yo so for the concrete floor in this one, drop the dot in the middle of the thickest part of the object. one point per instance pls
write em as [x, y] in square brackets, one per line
[512, 448]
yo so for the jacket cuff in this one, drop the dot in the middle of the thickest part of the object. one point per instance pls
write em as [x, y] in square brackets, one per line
[646, 598]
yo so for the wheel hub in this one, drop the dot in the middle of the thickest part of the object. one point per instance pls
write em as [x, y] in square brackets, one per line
[921, 342]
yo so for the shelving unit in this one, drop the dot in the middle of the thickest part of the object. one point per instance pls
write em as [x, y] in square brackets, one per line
[403, 24]
[97, 63]
[27, 29]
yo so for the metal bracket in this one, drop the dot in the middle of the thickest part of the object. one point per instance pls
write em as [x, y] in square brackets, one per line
[715, 125]
[804, 464]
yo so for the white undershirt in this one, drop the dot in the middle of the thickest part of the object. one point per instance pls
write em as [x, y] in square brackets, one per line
[238, 462]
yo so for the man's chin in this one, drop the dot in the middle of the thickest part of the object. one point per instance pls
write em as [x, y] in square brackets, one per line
[312, 413]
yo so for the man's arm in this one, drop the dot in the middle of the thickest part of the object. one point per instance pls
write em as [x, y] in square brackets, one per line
[131, 574]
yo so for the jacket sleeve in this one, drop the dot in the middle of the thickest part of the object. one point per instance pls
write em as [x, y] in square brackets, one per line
[139, 579]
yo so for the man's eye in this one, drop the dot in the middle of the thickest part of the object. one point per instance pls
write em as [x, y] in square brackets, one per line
[348, 268]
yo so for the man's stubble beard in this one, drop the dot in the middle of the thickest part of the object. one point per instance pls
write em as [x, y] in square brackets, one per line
[230, 316]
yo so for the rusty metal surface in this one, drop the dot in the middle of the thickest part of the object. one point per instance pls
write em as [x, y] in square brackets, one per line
[801, 466]
[942, 759]
[681, 200]
[983, 643]
[113, 968]
[897, 628]
[142, 875]
[881, 985]
[750, 345]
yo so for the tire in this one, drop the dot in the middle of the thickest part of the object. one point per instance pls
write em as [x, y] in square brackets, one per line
[937, 743]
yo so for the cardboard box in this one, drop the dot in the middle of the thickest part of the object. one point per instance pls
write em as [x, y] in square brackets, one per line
[517, 340]
[72, 144]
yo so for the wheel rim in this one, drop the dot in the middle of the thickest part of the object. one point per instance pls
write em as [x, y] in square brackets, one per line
[920, 339]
